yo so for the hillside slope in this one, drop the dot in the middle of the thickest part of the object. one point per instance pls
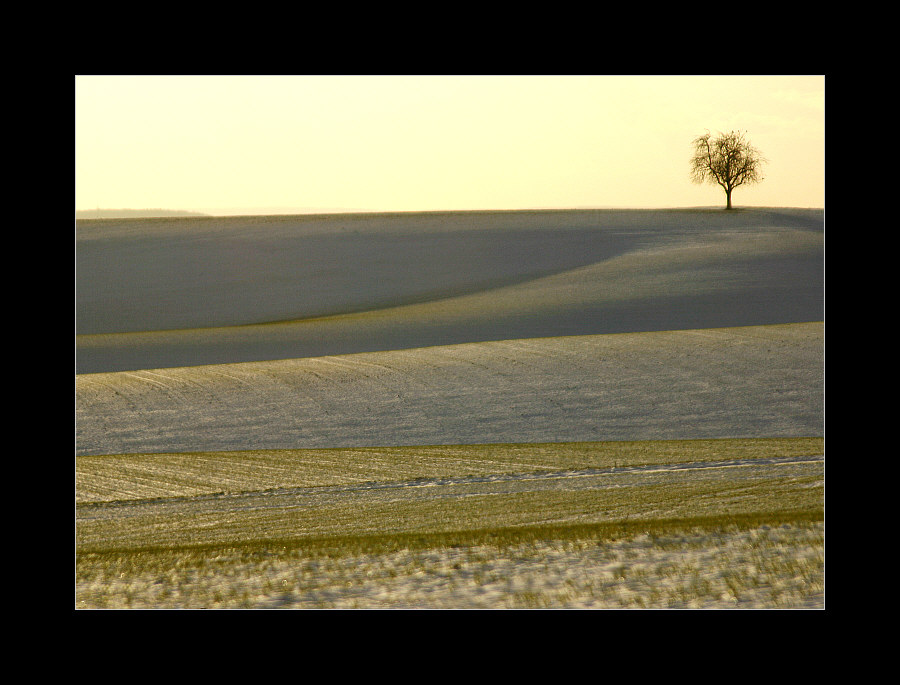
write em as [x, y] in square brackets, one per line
[184, 292]
[739, 382]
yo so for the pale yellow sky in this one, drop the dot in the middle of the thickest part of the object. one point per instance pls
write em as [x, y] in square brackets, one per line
[223, 144]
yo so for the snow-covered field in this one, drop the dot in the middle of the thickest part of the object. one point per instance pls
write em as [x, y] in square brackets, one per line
[241, 335]
[183, 292]
[715, 383]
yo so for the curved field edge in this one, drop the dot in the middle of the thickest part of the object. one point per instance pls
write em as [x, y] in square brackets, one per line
[278, 268]
[627, 272]
[111, 477]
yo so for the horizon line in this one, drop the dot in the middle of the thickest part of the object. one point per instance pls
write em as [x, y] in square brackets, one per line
[288, 211]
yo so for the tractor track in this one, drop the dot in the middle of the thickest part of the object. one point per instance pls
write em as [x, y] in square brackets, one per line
[455, 487]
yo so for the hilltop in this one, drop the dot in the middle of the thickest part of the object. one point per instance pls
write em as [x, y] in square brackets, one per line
[151, 294]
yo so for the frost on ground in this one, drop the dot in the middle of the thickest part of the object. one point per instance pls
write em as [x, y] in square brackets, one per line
[200, 393]
[761, 568]
[750, 381]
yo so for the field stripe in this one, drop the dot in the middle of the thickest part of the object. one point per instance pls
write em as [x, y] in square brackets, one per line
[725, 487]
[765, 381]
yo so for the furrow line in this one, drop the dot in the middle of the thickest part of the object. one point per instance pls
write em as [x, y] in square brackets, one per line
[234, 499]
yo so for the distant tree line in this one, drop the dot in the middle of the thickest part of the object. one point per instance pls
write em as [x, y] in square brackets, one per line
[131, 213]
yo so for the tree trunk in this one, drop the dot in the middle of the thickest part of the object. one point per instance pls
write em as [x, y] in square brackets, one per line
[728, 197]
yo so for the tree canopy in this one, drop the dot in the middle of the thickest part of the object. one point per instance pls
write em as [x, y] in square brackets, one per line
[728, 160]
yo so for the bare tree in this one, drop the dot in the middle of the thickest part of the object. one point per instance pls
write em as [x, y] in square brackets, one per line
[727, 160]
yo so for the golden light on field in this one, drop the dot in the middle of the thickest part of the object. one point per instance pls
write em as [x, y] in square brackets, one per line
[226, 144]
